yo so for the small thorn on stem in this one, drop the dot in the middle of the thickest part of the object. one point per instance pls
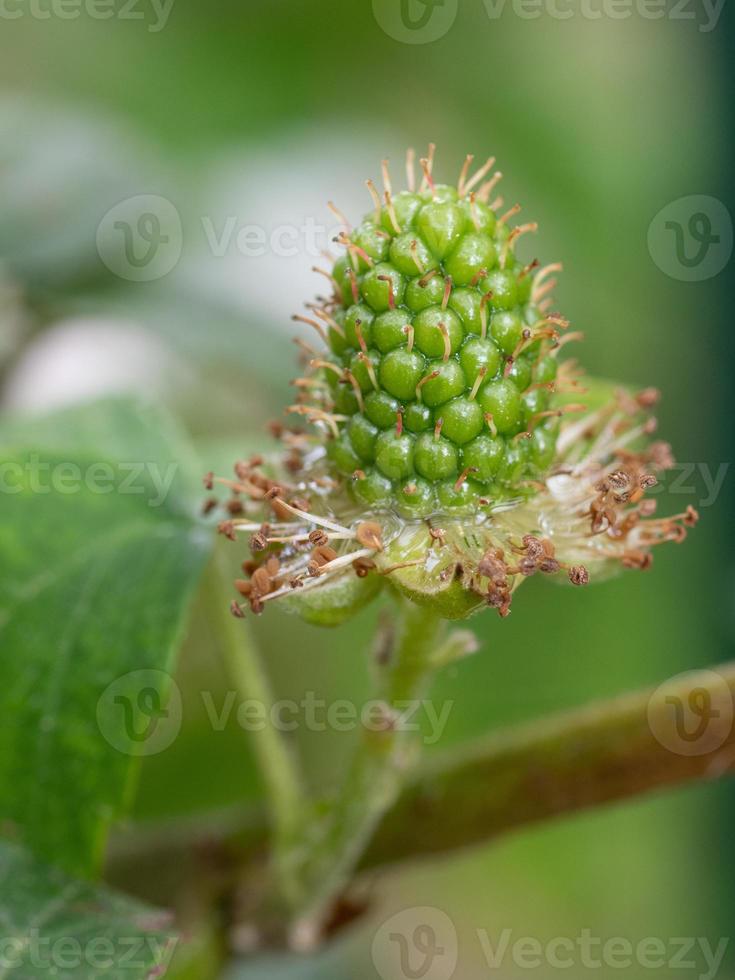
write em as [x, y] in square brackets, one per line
[339, 215]
[415, 256]
[478, 383]
[483, 313]
[481, 173]
[422, 382]
[391, 294]
[509, 214]
[463, 174]
[411, 169]
[447, 292]
[463, 476]
[487, 188]
[376, 198]
[427, 165]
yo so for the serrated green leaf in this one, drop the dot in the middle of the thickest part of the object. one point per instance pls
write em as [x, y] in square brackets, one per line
[52, 925]
[94, 587]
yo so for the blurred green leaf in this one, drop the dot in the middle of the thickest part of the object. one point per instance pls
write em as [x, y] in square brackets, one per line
[98, 562]
[54, 925]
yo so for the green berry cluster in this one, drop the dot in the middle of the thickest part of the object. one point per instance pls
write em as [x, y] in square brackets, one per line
[440, 369]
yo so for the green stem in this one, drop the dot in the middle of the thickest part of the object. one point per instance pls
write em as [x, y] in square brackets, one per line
[375, 775]
[276, 762]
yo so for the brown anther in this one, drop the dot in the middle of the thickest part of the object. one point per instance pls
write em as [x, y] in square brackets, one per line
[256, 606]
[549, 565]
[208, 480]
[494, 568]
[280, 510]
[527, 566]
[243, 586]
[691, 517]
[209, 505]
[642, 560]
[236, 610]
[227, 528]
[357, 475]
[273, 566]
[647, 481]
[319, 536]
[370, 535]
[410, 489]
[323, 554]
[578, 575]
[363, 566]
[648, 397]
[258, 542]
[261, 582]
[533, 546]
[235, 506]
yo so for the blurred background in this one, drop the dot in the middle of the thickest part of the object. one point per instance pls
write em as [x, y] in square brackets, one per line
[229, 126]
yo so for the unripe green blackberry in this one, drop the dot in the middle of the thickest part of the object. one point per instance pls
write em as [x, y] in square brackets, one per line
[441, 464]
[436, 339]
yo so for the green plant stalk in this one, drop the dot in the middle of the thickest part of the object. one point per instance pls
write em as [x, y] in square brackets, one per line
[375, 775]
[275, 759]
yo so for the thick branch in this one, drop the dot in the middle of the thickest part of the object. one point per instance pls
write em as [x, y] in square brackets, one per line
[576, 760]
[608, 751]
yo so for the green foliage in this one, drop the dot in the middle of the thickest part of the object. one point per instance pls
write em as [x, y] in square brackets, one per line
[98, 560]
[56, 926]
